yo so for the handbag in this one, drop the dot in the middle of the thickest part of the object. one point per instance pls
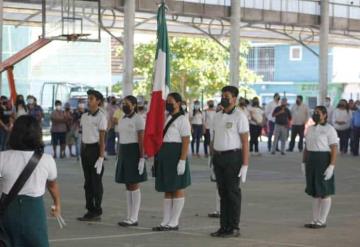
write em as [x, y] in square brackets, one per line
[155, 165]
[5, 200]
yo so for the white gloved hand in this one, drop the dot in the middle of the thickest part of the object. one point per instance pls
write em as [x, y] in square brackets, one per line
[303, 169]
[99, 165]
[141, 166]
[329, 172]
[181, 167]
[243, 173]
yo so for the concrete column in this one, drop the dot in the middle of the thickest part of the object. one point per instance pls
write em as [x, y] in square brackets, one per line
[235, 43]
[129, 28]
[324, 51]
[1, 39]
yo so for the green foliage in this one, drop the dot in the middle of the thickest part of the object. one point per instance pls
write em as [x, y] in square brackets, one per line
[197, 65]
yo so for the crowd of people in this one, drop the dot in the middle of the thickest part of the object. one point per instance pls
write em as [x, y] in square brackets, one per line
[230, 129]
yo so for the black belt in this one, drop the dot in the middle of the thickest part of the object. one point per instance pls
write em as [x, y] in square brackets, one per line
[91, 144]
[227, 151]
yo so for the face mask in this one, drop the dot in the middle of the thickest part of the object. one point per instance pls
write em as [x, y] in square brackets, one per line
[126, 109]
[58, 107]
[316, 118]
[169, 107]
[113, 102]
[30, 101]
[197, 107]
[211, 105]
[298, 102]
[183, 107]
[141, 108]
[81, 105]
[225, 102]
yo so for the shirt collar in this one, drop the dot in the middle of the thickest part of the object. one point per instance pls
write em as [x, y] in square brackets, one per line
[130, 116]
[230, 112]
[95, 113]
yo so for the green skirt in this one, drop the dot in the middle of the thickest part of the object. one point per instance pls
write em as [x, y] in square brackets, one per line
[25, 222]
[166, 161]
[127, 165]
[316, 186]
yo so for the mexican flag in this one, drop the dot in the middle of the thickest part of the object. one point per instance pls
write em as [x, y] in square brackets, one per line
[156, 115]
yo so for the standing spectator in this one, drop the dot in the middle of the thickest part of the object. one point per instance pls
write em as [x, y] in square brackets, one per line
[329, 109]
[71, 129]
[355, 128]
[76, 125]
[271, 120]
[351, 105]
[196, 120]
[24, 219]
[342, 122]
[58, 129]
[300, 116]
[184, 108]
[208, 121]
[256, 123]
[20, 108]
[5, 124]
[34, 110]
[243, 103]
[111, 136]
[282, 116]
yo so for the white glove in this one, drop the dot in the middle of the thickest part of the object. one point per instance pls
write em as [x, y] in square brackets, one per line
[303, 169]
[99, 165]
[181, 167]
[141, 166]
[329, 172]
[243, 172]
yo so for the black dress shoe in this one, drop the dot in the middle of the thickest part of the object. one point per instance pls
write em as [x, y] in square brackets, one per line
[126, 223]
[219, 233]
[90, 217]
[234, 233]
[160, 228]
[172, 228]
[214, 215]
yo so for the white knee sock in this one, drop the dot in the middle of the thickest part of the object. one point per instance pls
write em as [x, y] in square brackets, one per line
[129, 204]
[325, 206]
[316, 209]
[168, 204]
[178, 205]
[136, 201]
[217, 201]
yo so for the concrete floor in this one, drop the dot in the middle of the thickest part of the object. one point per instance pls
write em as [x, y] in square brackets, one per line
[274, 209]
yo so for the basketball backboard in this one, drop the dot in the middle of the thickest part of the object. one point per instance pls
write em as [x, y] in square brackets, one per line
[71, 20]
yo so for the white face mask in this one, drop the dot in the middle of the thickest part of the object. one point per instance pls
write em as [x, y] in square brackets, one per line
[58, 107]
[30, 101]
[197, 107]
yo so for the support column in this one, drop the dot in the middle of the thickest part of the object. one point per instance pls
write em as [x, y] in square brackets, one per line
[129, 29]
[324, 51]
[1, 40]
[235, 43]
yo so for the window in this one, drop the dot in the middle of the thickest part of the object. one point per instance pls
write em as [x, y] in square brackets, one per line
[261, 60]
[295, 53]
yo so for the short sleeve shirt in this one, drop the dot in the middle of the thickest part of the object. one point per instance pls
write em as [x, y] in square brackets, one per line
[13, 162]
[129, 127]
[178, 129]
[91, 125]
[320, 137]
[227, 129]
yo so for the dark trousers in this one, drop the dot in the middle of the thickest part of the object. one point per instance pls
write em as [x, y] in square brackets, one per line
[3, 139]
[93, 182]
[206, 141]
[227, 167]
[196, 136]
[110, 142]
[255, 132]
[356, 139]
[344, 136]
[297, 130]
[271, 127]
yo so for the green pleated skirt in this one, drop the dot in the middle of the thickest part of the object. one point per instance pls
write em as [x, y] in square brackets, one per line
[316, 186]
[167, 179]
[127, 165]
[25, 222]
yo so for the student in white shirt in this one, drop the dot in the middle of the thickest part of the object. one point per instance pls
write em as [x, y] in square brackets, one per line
[269, 109]
[329, 109]
[342, 123]
[130, 168]
[256, 123]
[172, 170]
[25, 218]
[196, 120]
[230, 148]
[318, 165]
[208, 121]
[94, 126]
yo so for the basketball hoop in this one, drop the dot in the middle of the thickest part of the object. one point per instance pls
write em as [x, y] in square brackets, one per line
[74, 36]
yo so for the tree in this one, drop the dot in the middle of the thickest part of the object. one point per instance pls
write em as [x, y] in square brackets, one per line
[198, 65]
